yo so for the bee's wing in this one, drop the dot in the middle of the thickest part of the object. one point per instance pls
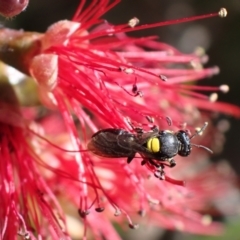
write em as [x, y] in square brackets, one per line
[112, 143]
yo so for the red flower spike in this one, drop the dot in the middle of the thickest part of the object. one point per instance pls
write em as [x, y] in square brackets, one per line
[92, 76]
[11, 8]
[22, 197]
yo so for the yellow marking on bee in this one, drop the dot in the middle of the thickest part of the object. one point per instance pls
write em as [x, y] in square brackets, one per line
[153, 145]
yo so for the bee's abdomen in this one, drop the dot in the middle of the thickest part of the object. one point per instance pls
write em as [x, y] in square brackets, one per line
[112, 143]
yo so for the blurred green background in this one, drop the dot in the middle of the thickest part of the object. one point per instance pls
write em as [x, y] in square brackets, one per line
[219, 37]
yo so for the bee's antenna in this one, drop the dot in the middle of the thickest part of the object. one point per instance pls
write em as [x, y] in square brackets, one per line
[198, 132]
[201, 146]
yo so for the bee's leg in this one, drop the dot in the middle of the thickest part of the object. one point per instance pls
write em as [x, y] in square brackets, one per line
[144, 161]
[160, 172]
[130, 158]
[154, 163]
[172, 162]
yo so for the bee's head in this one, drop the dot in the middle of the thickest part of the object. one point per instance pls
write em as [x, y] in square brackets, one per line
[185, 145]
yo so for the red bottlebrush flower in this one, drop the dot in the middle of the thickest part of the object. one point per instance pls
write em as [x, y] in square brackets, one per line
[25, 195]
[92, 76]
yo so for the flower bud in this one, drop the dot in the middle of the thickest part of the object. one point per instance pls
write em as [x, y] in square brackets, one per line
[11, 8]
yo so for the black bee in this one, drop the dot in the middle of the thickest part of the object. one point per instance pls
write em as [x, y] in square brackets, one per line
[155, 146]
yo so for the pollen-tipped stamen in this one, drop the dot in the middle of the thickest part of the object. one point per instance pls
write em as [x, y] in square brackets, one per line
[126, 28]
[200, 131]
